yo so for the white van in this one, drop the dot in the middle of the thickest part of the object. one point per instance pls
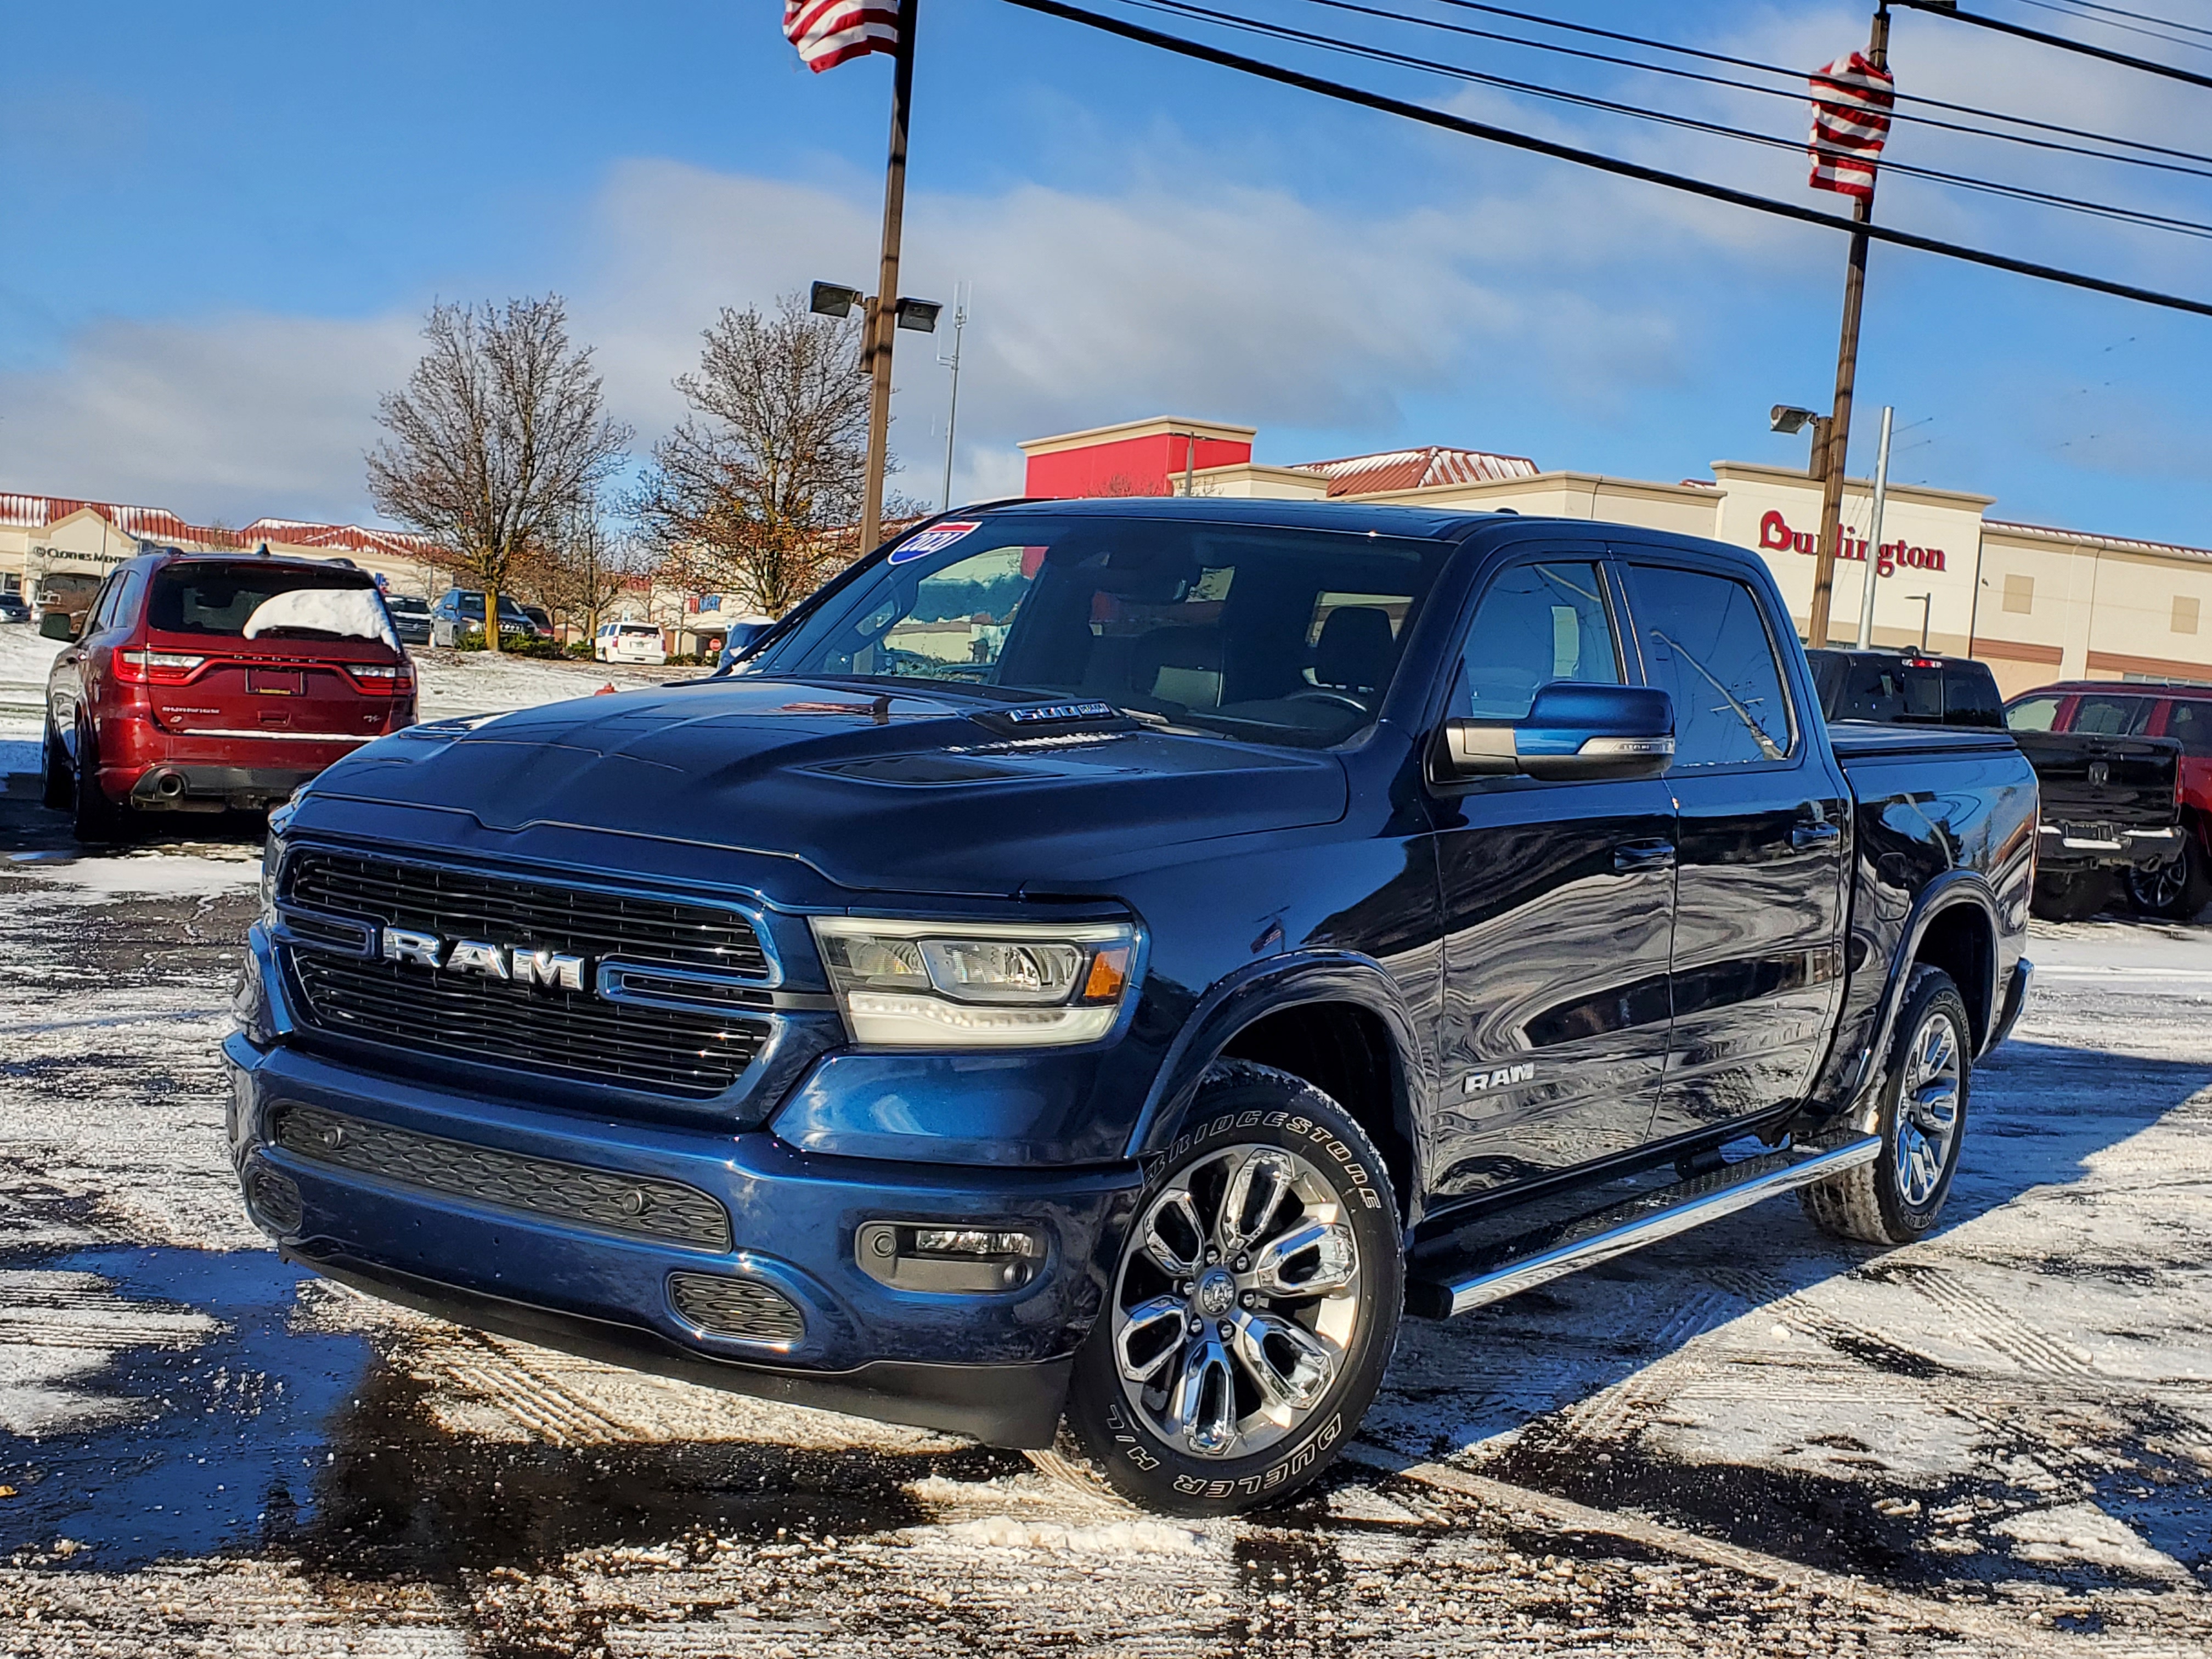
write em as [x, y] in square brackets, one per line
[629, 641]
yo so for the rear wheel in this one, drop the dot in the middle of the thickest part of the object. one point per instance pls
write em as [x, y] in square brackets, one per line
[2072, 898]
[60, 779]
[94, 818]
[1899, 1197]
[2176, 889]
[1254, 1307]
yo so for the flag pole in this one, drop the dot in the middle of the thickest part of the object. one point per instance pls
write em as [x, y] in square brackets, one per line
[881, 322]
[1837, 442]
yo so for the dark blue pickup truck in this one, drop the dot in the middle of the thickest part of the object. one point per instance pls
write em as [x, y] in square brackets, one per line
[1109, 961]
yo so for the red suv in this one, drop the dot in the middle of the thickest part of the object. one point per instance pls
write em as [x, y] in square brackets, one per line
[2182, 887]
[204, 681]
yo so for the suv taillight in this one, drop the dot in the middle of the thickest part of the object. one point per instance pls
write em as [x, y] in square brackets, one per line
[381, 681]
[155, 667]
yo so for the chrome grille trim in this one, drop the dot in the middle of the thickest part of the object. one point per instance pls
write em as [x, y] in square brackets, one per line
[642, 1206]
[745, 1308]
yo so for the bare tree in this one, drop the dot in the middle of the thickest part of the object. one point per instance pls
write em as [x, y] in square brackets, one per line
[584, 570]
[501, 433]
[757, 493]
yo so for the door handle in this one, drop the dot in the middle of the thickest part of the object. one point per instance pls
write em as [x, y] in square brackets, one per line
[1632, 856]
[1815, 835]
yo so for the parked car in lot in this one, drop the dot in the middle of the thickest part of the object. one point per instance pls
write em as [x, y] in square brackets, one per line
[1274, 918]
[2109, 806]
[206, 681]
[459, 612]
[541, 619]
[411, 618]
[629, 641]
[2126, 723]
[13, 608]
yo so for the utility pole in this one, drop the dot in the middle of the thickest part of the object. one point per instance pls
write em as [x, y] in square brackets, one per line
[1837, 444]
[953, 410]
[1874, 529]
[881, 320]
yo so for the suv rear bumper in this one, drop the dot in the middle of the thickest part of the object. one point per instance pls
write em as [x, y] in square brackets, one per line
[212, 788]
[994, 1365]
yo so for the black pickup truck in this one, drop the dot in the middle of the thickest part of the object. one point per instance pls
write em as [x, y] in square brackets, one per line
[1110, 961]
[2110, 801]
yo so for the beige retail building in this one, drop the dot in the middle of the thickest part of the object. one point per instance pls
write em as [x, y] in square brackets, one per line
[2036, 604]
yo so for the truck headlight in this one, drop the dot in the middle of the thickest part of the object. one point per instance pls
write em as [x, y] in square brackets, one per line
[951, 985]
[272, 861]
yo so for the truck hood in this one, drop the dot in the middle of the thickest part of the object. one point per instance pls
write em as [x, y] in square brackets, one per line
[917, 791]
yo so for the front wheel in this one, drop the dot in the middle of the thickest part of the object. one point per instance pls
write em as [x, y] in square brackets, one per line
[2176, 889]
[1921, 1120]
[1254, 1307]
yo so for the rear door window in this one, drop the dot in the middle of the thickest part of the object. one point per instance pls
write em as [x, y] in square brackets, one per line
[2033, 714]
[2192, 722]
[2111, 716]
[1705, 643]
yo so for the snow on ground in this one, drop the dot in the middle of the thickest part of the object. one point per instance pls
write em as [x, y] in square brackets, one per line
[1749, 1439]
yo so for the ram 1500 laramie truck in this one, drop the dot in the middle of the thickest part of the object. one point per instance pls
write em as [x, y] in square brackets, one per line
[1109, 961]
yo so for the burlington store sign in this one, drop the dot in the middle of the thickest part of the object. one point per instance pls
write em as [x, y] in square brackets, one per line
[1930, 539]
[1775, 536]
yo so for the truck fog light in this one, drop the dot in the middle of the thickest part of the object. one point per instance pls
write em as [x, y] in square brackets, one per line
[948, 1261]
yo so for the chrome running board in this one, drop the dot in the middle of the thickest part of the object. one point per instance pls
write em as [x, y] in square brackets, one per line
[1548, 1253]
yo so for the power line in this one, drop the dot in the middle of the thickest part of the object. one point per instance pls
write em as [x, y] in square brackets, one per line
[1942, 9]
[2084, 15]
[1592, 159]
[1591, 29]
[2142, 17]
[2018, 193]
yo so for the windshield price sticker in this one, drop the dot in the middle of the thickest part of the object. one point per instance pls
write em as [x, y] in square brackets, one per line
[930, 540]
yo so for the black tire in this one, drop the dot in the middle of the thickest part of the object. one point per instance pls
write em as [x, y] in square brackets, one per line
[1309, 1169]
[2072, 898]
[93, 816]
[1899, 1197]
[2177, 889]
[60, 779]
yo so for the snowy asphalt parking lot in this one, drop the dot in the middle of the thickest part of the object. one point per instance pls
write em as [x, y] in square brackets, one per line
[1748, 1439]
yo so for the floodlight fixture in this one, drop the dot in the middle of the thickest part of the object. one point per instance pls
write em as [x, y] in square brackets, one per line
[919, 314]
[1789, 419]
[833, 300]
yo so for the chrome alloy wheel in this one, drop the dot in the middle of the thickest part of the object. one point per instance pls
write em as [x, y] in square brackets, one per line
[2159, 888]
[1927, 1108]
[1237, 1295]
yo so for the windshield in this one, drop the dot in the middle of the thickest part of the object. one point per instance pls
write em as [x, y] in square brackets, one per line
[1274, 635]
[222, 599]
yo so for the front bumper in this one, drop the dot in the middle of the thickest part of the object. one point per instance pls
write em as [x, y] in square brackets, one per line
[992, 1365]
[2062, 848]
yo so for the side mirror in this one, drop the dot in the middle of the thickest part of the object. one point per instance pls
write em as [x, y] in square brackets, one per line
[742, 638]
[56, 625]
[1572, 731]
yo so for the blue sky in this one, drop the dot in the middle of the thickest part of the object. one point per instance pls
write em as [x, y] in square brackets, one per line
[224, 224]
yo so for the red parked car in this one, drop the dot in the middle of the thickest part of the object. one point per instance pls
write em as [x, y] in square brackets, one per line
[200, 682]
[2182, 887]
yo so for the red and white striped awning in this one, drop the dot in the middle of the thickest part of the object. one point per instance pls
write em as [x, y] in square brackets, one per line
[828, 32]
[1851, 105]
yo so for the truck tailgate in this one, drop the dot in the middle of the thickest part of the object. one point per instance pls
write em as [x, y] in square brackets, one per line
[2090, 779]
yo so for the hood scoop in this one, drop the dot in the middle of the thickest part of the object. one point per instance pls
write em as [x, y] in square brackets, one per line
[920, 769]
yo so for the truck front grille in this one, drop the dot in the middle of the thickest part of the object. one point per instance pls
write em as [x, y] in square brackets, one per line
[694, 1052]
[581, 921]
[639, 1205]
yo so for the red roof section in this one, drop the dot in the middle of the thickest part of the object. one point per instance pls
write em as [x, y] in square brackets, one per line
[1417, 468]
[155, 524]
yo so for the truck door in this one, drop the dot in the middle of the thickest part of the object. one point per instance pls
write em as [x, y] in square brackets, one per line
[1556, 902]
[1762, 822]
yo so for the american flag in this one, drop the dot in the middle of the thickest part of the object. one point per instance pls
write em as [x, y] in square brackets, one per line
[1851, 102]
[828, 31]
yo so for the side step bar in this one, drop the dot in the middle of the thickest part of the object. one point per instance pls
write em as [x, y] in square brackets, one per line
[1537, 1258]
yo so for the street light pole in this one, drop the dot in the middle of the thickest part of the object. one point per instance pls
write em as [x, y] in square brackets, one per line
[1874, 529]
[882, 313]
[1847, 359]
[952, 410]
